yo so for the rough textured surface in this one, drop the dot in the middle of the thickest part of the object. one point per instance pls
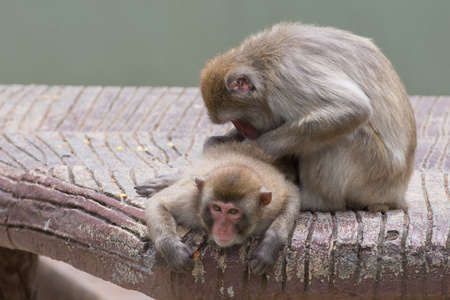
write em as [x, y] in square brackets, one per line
[70, 156]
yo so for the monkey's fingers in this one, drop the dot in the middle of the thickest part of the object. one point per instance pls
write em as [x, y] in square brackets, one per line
[145, 191]
[212, 141]
[263, 258]
[147, 185]
[260, 265]
[220, 139]
[182, 259]
[153, 184]
[161, 182]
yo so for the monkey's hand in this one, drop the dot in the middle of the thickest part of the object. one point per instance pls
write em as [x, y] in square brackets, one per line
[151, 187]
[265, 256]
[178, 256]
[215, 140]
[230, 136]
[347, 107]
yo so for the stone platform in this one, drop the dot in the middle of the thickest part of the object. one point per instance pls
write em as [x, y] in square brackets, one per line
[70, 156]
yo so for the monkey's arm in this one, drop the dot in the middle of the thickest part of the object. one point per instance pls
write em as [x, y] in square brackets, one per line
[338, 110]
[277, 235]
[176, 204]
[230, 136]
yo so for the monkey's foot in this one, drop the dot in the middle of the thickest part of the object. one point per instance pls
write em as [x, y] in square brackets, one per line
[378, 207]
[151, 187]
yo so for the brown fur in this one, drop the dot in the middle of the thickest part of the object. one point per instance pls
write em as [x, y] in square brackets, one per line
[328, 98]
[234, 173]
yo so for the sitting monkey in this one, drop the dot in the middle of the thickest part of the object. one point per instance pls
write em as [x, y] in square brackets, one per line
[327, 97]
[233, 191]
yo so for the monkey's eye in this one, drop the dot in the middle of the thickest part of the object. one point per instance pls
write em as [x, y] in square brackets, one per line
[216, 207]
[233, 211]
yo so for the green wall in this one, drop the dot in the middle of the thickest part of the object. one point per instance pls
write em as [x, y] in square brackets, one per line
[150, 42]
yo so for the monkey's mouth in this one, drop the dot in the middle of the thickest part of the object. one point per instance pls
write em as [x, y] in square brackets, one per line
[245, 129]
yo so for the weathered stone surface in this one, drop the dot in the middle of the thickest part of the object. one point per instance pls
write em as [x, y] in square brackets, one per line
[70, 156]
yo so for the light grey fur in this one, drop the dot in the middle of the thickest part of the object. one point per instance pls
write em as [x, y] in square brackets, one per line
[232, 173]
[329, 98]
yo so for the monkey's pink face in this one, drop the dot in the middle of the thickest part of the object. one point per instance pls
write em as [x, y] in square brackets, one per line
[225, 216]
[246, 129]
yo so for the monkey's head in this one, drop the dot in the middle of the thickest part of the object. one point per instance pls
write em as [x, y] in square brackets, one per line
[234, 91]
[231, 204]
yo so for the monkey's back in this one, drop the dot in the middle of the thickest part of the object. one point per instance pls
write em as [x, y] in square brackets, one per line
[248, 156]
[296, 61]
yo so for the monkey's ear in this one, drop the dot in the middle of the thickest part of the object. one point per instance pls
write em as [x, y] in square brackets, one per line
[200, 182]
[241, 83]
[265, 196]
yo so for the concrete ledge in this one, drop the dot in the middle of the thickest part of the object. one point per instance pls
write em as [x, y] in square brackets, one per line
[70, 156]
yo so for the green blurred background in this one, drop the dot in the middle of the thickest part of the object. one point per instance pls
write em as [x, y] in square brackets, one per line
[145, 42]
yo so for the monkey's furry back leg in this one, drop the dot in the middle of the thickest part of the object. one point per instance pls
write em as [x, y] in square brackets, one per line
[154, 185]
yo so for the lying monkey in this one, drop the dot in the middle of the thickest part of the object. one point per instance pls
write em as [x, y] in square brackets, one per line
[233, 191]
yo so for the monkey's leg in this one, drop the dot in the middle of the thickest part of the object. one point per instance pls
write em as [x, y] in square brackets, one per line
[277, 235]
[311, 203]
[314, 203]
[152, 186]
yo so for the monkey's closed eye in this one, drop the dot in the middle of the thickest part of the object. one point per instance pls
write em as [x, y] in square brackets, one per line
[216, 207]
[233, 211]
